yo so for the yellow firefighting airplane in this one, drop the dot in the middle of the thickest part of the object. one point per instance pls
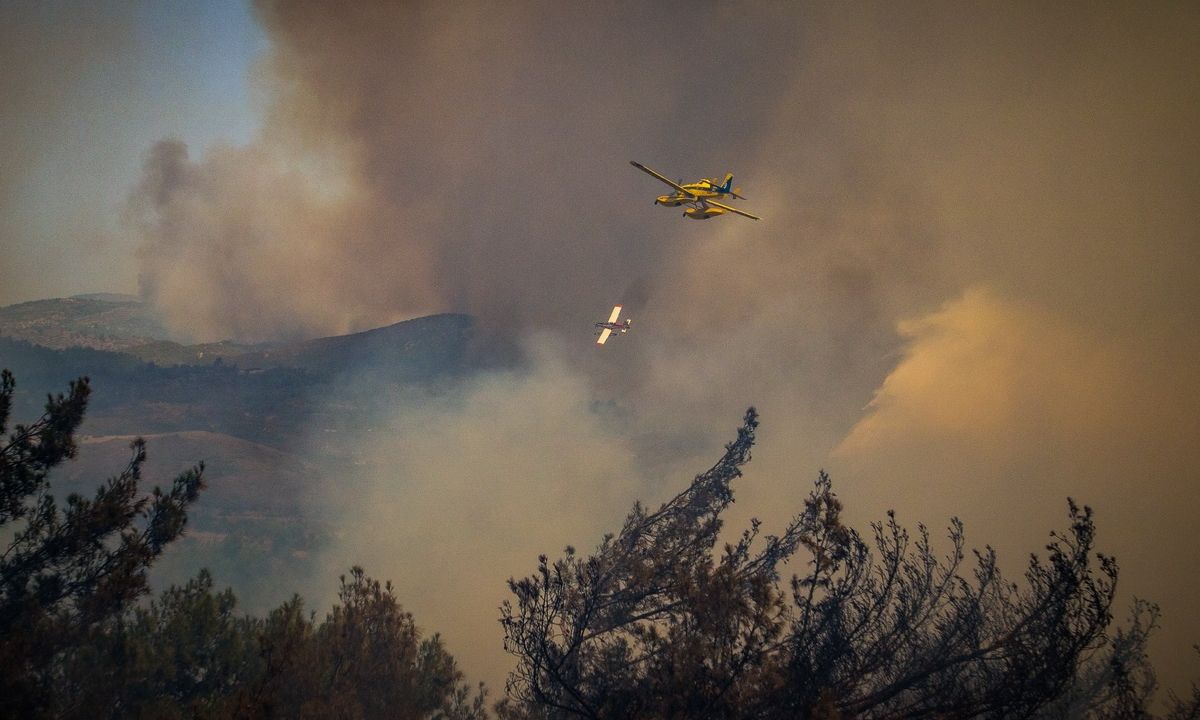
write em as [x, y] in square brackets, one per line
[613, 325]
[701, 195]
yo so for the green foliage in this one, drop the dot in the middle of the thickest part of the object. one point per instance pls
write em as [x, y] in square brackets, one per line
[366, 660]
[65, 571]
[180, 656]
[188, 654]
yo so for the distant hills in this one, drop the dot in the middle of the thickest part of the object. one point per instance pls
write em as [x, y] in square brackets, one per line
[272, 394]
[269, 420]
[409, 351]
[104, 321]
[121, 323]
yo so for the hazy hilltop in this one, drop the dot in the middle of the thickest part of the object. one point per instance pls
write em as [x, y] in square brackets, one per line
[269, 421]
[105, 321]
[270, 394]
[122, 323]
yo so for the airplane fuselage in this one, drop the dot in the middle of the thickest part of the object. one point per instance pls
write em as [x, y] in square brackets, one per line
[702, 190]
[615, 326]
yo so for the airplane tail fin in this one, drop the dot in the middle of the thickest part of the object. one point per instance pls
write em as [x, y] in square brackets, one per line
[728, 183]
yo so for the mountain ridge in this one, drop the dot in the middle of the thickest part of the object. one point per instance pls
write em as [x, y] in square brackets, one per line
[122, 323]
[273, 422]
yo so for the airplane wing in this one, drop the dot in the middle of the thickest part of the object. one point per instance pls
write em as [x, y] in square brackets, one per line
[615, 314]
[732, 209]
[604, 336]
[662, 177]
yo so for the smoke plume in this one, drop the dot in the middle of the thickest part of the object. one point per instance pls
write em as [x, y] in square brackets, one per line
[976, 276]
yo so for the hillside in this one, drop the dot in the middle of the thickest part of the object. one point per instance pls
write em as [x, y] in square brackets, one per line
[264, 396]
[122, 324]
[254, 526]
[236, 471]
[270, 422]
[412, 349]
[103, 321]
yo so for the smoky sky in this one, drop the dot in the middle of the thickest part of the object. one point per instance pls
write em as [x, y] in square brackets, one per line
[974, 289]
[46, 60]
[453, 158]
[85, 90]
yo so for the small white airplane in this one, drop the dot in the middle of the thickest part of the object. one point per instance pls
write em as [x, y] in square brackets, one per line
[613, 325]
[700, 197]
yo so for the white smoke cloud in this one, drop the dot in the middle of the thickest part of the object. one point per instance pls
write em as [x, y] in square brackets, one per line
[456, 493]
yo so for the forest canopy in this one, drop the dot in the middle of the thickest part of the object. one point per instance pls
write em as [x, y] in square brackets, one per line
[657, 622]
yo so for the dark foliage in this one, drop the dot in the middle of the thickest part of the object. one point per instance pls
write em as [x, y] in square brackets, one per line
[655, 624]
[65, 571]
[75, 644]
[188, 654]
[366, 660]
[179, 656]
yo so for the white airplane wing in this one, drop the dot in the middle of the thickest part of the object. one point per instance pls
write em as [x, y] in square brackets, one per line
[662, 177]
[615, 314]
[732, 209]
[604, 336]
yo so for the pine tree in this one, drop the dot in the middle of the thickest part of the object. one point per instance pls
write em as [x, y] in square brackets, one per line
[656, 624]
[366, 660]
[65, 571]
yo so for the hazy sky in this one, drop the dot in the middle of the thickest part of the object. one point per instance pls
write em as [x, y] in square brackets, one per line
[974, 290]
[87, 89]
